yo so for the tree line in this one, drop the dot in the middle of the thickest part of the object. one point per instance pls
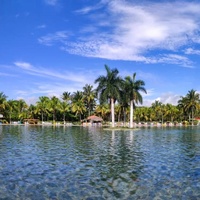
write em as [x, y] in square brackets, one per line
[115, 99]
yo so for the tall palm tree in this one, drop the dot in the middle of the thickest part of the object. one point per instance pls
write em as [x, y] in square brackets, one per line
[109, 88]
[133, 88]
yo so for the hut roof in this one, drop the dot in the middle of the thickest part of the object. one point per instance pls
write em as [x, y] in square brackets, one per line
[95, 118]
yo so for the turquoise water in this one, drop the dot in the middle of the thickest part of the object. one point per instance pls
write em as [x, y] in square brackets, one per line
[90, 163]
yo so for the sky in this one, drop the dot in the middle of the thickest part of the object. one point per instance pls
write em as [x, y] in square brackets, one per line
[48, 47]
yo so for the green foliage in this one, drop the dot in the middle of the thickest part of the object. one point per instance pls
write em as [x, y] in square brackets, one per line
[88, 101]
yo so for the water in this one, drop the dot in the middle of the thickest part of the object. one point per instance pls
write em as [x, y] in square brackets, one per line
[90, 163]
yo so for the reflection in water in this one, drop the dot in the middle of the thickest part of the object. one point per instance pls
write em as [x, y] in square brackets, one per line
[38, 162]
[131, 136]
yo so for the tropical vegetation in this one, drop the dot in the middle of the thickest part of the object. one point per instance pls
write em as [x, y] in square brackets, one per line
[116, 99]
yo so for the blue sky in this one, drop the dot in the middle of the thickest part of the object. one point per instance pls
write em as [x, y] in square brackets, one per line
[48, 47]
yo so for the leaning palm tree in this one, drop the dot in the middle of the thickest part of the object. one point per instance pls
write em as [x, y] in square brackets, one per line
[109, 88]
[132, 90]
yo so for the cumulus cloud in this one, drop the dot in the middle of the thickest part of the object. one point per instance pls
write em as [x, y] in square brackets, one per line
[131, 31]
[169, 98]
[165, 98]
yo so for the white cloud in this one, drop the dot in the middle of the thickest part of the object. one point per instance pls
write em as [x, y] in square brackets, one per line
[192, 51]
[95, 7]
[47, 89]
[69, 81]
[165, 98]
[24, 65]
[130, 31]
[64, 75]
[175, 59]
[169, 98]
[50, 39]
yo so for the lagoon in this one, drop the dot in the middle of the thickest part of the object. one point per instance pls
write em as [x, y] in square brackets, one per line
[49, 162]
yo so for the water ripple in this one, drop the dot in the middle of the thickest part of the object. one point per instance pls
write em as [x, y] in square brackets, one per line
[89, 163]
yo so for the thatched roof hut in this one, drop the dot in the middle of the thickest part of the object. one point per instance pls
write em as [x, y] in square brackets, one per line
[94, 118]
[31, 121]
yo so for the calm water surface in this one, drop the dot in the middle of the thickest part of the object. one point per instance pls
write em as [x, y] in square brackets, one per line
[90, 163]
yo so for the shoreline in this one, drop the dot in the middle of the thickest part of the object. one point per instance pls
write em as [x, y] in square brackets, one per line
[105, 127]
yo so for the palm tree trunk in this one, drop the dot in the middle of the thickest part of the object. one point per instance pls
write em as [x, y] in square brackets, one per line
[131, 114]
[64, 118]
[192, 116]
[10, 119]
[124, 117]
[113, 112]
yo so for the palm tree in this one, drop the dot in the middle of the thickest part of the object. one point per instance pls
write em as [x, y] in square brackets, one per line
[190, 103]
[22, 108]
[32, 111]
[64, 108]
[193, 102]
[89, 98]
[78, 106]
[42, 106]
[66, 104]
[66, 96]
[132, 90]
[3, 102]
[124, 104]
[157, 107]
[171, 112]
[54, 105]
[102, 110]
[109, 88]
[11, 106]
